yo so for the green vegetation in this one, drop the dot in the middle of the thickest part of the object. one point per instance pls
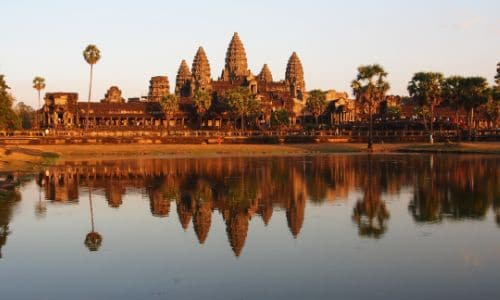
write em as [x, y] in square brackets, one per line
[316, 103]
[453, 91]
[202, 102]
[39, 85]
[8, 118]
[169, 105]
[426, 89]
[26, 115]
[241, 103]
[280, 119]
[91, 54]
[476, 93]
[370, 88]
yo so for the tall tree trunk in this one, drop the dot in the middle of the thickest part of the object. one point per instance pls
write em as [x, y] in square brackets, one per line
[370, 132]
[471, 122]
[37, 124]
[457, 126]
[316, 120]
[432, 124]
[90, 95]
[168, 123]
[242, 124]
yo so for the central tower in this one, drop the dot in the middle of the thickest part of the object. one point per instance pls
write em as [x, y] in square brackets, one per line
[236, 61]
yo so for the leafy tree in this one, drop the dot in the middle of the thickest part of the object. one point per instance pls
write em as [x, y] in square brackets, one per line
[91, 54]
[393, 112]
[495, 96]
[369, 88]
[38, 84]
[426, 90]
[8, 118]
[453, 92]
[476, 93]
[280, 118]
[316, 103]
[26, 115]
[202, 102]
[240, 102]
[492, 109]
[169, 104]
[493, 105]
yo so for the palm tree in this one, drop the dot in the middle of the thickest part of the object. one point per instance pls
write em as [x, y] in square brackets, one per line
[426, 89]
[38, 84]
[453, 91]
[316, 103]
[169, 104]
[240, 102]
[280, 118]
[92, 55]
[369, 88]
[202, 102]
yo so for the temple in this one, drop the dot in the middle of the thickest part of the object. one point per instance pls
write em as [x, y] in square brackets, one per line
[63, 110]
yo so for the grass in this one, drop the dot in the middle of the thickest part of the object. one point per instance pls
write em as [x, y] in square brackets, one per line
[477, 148]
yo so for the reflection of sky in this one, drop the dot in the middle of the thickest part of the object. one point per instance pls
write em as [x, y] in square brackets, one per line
[147, 257]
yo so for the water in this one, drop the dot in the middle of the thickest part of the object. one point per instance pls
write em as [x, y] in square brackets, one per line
[297, 227]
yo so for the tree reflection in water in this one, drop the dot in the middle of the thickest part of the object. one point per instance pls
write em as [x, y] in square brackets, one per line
[8, 201]
[370, 213]
[40, 205]
[93, 239]
[457, 187]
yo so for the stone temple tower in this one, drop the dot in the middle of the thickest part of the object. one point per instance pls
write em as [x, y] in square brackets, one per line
[265, 74]
[183, 81]
[236, 61]
[201, 71]
[158, 87]
[294, 77]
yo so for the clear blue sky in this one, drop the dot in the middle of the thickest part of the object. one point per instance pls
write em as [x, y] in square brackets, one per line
[140, 39]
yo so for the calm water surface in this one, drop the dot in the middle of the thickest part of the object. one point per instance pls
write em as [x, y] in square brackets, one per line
[311, 227]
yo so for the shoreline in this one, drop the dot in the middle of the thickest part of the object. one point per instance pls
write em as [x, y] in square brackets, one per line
[28, 158]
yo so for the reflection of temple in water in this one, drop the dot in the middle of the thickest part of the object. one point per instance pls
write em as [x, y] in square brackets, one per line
[242, 188]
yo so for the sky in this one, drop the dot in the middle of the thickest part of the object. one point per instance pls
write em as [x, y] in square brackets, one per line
[141, 39]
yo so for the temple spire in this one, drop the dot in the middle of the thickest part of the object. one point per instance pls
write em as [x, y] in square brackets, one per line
[183, 80]
[294, 76]
[201, 70]
[236, 60]
[265, 74]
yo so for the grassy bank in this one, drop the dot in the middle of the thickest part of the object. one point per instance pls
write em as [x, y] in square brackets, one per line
[24, 159]
[32, 157]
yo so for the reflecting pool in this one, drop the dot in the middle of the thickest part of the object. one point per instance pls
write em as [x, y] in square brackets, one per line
[281, 227]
